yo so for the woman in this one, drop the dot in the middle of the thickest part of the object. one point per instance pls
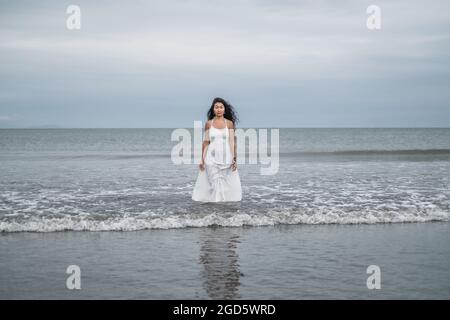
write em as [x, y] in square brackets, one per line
[218, 179]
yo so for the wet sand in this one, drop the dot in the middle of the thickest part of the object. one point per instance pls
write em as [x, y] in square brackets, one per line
[271, 262]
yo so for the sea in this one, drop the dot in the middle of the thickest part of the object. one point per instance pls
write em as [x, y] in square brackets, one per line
[126, 180]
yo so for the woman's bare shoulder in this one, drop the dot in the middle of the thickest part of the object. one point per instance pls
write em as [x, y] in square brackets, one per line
[230, 124]
[208, 124]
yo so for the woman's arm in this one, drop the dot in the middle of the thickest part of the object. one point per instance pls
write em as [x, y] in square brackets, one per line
[205, 145]
[232, 140]
[233, 144]
[235, 148]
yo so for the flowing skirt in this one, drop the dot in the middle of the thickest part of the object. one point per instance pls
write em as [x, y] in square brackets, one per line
[217, 183]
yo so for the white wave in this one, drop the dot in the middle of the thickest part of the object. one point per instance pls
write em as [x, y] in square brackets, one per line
[142, 222]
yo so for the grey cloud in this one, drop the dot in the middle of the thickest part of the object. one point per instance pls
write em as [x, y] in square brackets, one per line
[278, 57]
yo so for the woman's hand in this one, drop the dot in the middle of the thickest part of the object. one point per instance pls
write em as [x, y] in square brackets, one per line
[202, 165]
[234, 165]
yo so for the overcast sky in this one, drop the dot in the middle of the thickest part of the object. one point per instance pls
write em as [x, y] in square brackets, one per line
[280, 63]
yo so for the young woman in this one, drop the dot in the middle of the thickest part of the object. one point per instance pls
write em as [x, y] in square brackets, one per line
[218, 179]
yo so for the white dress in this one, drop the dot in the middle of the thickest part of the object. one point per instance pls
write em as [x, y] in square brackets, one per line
[218, 182]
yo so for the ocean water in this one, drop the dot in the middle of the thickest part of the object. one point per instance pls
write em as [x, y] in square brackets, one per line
[124, 179]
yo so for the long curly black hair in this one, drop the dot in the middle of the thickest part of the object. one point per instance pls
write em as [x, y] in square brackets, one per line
[229, 114]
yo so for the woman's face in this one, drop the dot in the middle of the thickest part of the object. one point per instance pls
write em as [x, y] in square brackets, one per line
[219, 109]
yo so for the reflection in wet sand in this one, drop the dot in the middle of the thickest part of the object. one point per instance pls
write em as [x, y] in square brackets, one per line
[220, 263]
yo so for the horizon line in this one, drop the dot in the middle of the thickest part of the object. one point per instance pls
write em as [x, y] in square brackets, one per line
[390, 127]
